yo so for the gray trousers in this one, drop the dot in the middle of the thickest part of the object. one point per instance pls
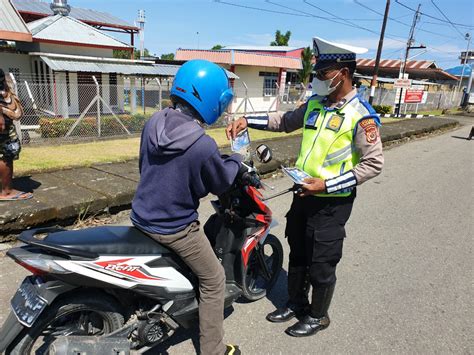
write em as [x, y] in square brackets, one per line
[194, 248]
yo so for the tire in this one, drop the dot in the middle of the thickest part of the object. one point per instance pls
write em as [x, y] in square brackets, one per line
[96, 309]
[254, 284]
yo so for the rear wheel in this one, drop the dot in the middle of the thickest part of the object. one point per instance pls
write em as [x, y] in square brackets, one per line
[77, 315]
[263, 268]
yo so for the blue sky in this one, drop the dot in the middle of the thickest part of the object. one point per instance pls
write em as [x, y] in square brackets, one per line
[175, 24]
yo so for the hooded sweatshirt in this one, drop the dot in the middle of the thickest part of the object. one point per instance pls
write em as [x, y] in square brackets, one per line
[179, 164]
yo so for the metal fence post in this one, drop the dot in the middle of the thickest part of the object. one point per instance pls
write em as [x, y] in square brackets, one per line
[98, 104]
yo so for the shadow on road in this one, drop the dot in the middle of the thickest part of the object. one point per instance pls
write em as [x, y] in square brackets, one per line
[182, 335]
[26, 183]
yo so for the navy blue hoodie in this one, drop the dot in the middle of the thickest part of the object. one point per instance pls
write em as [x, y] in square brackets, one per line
[179, 164]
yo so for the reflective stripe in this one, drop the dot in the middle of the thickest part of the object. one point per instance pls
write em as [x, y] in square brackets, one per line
[338, 152]
[337, 159]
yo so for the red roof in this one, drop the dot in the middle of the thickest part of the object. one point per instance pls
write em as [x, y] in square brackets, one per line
[232, 57]
[417, 69]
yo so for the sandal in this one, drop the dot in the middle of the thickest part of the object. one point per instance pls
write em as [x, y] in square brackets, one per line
[19, 196]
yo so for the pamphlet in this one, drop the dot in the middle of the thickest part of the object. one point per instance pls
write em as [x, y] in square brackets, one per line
[297, 175]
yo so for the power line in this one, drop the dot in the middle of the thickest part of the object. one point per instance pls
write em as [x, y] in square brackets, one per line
[302, 14]
[400, 22]
[446, 17]
[259, 9]
[430, 16]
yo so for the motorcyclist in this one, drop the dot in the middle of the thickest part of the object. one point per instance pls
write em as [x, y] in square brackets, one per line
[180, 164]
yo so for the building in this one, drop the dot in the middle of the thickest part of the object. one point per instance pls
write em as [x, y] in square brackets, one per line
[419, 70]
[263, 72]
[61, 64]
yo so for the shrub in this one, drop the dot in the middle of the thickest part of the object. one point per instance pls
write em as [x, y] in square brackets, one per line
[58, 127]
[384, 109]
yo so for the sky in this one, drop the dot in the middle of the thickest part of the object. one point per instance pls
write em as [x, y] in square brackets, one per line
[173, 24]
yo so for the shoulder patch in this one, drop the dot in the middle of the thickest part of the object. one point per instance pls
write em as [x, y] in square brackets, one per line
[370, 128]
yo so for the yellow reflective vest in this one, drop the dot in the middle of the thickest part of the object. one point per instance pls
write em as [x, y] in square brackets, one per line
[327, 148]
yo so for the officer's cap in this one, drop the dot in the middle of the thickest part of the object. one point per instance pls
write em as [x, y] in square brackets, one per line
[330, 53]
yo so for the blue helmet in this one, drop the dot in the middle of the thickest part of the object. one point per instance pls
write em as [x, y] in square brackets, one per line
[205, 86]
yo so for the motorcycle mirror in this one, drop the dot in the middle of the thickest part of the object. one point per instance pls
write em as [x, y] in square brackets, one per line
[264, 153]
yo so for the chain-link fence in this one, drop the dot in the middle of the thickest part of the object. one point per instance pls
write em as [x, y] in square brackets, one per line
[64, 107]
[433, 100]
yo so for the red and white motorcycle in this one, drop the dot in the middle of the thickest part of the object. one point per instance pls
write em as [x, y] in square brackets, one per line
[114, 282]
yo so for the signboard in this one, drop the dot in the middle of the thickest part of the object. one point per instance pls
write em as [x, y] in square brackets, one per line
[402, 83]
[413, 96]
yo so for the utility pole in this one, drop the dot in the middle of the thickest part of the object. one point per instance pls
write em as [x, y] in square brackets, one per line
[410, 42]
[467, 37]
[379, 53]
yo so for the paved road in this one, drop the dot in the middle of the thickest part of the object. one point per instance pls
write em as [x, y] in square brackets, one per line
[405, 281]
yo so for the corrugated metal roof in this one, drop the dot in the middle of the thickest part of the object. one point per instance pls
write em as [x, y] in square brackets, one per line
[263, 48]
[12, 26]
[457, 71]
[110, 66]
[67, 29]
[240, 58]
[395, 63]
[87, 15]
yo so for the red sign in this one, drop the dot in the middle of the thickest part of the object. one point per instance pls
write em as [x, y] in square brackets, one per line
[413, 96]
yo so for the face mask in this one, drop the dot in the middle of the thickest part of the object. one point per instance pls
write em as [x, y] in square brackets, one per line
[323, 87]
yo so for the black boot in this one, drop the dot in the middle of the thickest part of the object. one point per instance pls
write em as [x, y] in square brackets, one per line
[298, 288]
[318, 318]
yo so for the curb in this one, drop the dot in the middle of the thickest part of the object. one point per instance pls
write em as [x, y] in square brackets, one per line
[100, 188]
[411, 115]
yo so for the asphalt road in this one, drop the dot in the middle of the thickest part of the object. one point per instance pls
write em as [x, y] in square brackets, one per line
[405, 282]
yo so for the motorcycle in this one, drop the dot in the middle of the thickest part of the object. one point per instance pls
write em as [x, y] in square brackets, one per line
[115, 282]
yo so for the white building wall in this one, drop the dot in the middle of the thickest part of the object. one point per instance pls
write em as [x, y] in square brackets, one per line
[105, 92]
[10, 61]
[256, 102]
[74, 94]
[75, 50]
[61, 102]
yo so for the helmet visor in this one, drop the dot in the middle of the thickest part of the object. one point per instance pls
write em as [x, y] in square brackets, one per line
[225, 100]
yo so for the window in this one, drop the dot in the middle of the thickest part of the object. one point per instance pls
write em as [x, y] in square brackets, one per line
[269, 83]
[269, 86]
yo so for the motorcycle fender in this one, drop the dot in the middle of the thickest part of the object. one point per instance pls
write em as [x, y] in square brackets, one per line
[10, 330]
[272, 225]
[49, 291]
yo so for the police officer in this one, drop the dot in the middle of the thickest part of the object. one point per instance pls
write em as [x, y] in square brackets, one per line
[340, 149]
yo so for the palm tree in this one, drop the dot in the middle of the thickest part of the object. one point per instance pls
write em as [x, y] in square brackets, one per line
[305, 72]
[281, 40]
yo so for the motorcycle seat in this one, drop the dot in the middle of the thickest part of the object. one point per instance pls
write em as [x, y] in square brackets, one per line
[92, 242]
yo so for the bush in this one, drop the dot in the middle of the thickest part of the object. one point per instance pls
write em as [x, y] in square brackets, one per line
[384, 109]
[58, 127]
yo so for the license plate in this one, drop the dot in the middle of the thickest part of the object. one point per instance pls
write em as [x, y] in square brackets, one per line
[27, 304]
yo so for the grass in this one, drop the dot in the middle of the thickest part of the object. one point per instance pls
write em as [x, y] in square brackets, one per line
[48, 158]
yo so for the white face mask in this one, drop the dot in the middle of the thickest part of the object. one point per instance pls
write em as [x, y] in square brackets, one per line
[323, 87]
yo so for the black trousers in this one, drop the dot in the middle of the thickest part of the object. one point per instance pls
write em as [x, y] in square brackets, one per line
[316, 230]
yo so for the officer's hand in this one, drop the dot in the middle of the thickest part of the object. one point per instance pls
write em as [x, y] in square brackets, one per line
[235, 127]
[313, 186]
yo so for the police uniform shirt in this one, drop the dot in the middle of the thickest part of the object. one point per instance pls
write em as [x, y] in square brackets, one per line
[367, 140]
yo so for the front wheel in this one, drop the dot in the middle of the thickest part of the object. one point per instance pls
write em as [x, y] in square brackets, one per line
[77, 315]
[263, 268]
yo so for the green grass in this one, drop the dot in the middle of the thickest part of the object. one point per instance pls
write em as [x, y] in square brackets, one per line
[48, 158]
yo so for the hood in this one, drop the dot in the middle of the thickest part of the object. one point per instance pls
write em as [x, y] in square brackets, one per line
[172, 132]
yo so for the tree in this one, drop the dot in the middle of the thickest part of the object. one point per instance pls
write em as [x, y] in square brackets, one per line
[124, 54]
[168, 56]
[217, 47]
[281, 40]
[305, 72]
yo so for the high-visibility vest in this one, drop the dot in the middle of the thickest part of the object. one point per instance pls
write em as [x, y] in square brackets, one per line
[327, 148]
